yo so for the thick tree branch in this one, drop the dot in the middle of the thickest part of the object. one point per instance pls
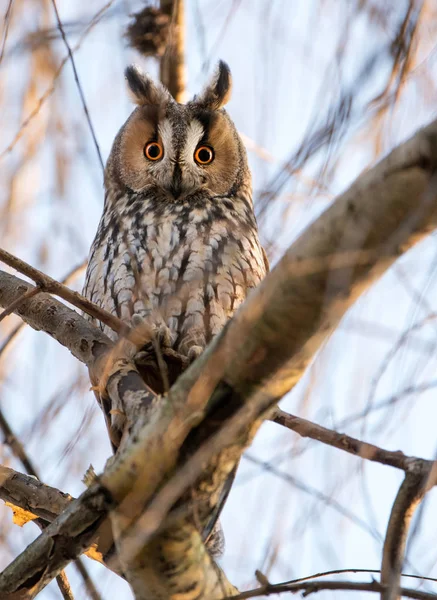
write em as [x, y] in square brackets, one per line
[71, 275]
[46, 502]
[226, 393]
[31, 495]
[71, 534]
[42, 312]
[12, 307]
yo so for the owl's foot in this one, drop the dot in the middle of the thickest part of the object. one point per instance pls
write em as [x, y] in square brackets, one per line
[164, 336]
[157, 336]
[154, 330]
[194, 352]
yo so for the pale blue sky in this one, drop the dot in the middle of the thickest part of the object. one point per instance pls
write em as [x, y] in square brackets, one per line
[286, 74]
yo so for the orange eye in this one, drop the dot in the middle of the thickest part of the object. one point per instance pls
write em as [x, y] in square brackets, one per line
[204, 155]
[153, 151]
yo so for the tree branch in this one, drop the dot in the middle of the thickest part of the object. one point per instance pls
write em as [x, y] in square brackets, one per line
[66, 280]
[47, 503]
[64, 586]
[312, 587]
[14, 305]
[343, 442]
[47, 284]
[224, 396]
[31, 495]
[172, 66]
[20, 453]
[42, 312]
[419, 478]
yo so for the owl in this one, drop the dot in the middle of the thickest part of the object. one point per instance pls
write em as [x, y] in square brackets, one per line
[177, 246]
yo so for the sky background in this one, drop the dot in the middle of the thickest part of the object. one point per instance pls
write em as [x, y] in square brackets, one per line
[297, 507]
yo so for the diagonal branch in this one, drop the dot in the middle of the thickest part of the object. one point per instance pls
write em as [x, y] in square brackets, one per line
[48, 284]
[70, 276]
[213, 410]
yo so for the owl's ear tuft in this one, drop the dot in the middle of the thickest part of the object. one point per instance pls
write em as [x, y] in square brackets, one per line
[143, 90]
[218, 92]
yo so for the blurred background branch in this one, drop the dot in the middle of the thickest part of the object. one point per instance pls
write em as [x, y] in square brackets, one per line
[322, 89]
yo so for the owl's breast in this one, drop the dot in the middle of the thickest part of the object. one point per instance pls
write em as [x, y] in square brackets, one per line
[186, 270]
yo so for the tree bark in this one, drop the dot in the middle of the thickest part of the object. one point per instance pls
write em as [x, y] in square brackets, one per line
[214, 408]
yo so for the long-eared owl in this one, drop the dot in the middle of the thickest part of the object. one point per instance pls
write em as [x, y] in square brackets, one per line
[177, 245]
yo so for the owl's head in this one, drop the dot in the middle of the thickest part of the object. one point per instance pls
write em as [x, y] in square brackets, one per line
[179, 149]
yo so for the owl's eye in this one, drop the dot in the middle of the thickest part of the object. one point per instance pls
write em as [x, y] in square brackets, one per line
[153, 151]
[204, 155]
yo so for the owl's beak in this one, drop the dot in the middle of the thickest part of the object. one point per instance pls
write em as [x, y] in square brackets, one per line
[176, 182]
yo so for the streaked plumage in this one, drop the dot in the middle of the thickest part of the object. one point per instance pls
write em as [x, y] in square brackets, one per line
[177, 245]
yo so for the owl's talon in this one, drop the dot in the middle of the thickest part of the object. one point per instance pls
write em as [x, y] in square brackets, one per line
[146, 356]
[194, 352]
[159, 330]
[163, 336]
[138, 320]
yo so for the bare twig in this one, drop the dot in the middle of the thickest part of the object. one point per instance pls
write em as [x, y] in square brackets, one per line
[420, 475]
[312, 587]
[327, 500]
[16, 446]
[47, 284]
[344, 571]
[78, 84]
[11, 337]
[42, 99]
[93, 592]
[342, 441]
